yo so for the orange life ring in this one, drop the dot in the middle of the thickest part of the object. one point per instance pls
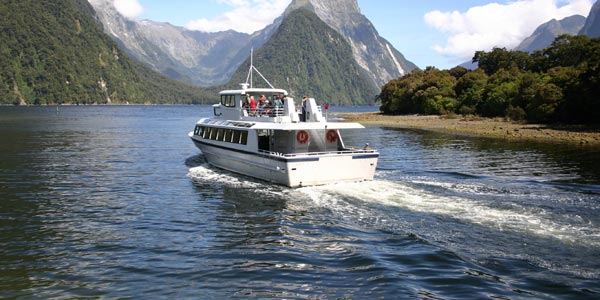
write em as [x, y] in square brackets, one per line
[302, 137]
[332, 136]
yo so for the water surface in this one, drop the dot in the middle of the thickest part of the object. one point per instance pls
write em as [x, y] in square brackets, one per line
[115, 202]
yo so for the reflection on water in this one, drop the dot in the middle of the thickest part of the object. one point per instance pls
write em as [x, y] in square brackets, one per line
[115, 202]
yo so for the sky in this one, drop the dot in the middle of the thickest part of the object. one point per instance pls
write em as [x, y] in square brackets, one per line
[437, 33]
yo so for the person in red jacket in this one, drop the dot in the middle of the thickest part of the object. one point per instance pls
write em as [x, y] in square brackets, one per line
[252, 105]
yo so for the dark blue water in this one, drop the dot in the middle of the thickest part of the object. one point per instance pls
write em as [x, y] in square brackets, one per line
[115, 202]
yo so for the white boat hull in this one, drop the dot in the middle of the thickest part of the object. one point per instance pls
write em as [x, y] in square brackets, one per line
[296, 170]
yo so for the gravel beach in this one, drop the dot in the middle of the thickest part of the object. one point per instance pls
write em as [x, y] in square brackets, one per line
[477, 126]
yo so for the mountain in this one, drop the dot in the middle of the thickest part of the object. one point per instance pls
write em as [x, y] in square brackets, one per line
[196, 57]
[546, 33]
[307, 57]
[54, 52]
[374, 54]
[592, 24]
[212, 58]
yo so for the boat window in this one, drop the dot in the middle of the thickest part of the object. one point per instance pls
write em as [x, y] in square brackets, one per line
[227, 136]
[213, 133]
[219, 135]
[235, 136]
[244, 138]
[228, 100]
[224, 135]
[198, 130]
[263, 140]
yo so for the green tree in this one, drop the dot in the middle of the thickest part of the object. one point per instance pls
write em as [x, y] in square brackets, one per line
[500, 91]
[500, 58]
[559, 83]
[54, 52]
[397, 95]
[436, 94]
[544, 103]
[470, 91]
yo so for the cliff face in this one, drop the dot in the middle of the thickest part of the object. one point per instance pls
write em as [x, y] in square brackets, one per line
[592, 24]
[309, 58]
[374, 54]
[211, 58]
[196, 57]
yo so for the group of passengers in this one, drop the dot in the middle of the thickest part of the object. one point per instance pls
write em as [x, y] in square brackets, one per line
[264, 107]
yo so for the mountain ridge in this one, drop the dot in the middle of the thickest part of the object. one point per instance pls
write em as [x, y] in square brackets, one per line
[371, 51]
[175, 51]
[546, 33]
[55, 52]
[380, 60]
[327, 59]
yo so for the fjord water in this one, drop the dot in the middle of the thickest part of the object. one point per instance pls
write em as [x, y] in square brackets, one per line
[115, 202]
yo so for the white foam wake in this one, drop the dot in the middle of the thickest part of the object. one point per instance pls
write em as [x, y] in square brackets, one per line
[206, 174]
[516, 219]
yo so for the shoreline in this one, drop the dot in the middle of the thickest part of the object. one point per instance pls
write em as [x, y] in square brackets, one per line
[483, 127]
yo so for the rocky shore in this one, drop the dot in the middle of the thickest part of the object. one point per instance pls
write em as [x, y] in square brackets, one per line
[477, 126]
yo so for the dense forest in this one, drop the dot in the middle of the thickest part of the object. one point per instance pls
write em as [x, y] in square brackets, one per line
[558, 84]
[55, 52]
[307, 57]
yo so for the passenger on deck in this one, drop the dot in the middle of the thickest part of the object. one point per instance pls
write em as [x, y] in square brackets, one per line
[304, 104]
[252, 105]
[263, 106]
[278, 102]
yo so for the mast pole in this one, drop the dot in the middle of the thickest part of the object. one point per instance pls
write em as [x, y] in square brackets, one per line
[251, 64]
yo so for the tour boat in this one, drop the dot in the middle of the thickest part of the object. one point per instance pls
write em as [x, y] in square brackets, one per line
[277, 142]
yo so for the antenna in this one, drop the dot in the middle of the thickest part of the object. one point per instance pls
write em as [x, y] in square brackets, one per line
[249, 77]
[252, 68]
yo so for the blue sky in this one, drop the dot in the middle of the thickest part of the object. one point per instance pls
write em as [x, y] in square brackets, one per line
[429, 33]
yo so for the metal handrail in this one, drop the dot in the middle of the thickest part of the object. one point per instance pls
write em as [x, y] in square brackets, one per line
[266, 112]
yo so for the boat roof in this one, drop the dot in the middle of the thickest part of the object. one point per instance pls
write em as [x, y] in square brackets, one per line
[280, 126]
[253, 91]
[307, 125]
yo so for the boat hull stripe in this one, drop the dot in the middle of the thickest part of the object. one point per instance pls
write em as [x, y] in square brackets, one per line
[365, 156]
[284, 159]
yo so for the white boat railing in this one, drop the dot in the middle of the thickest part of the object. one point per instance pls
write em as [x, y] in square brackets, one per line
[266, 112]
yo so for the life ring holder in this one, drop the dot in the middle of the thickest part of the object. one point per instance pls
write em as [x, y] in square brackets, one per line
[332, 136]
[302, 137]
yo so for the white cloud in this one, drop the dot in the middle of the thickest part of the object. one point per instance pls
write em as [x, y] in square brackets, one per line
[128, 8]
[498, 25]
[245, 16]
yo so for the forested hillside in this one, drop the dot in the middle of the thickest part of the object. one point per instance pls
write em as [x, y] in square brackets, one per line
[307, 57]
[558, 84]
[55, 52]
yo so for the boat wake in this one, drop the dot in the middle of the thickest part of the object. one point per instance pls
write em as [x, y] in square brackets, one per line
[569, 229]
[462, 222]
[513, 218]
[206, 174]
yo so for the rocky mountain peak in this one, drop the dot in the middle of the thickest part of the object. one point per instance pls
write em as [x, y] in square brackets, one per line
[196, 57]
[211, 58]
[372, 52]
[331, 11]
[545, 34]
